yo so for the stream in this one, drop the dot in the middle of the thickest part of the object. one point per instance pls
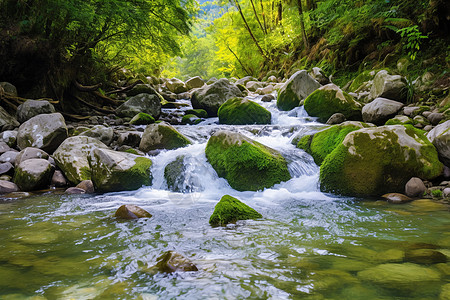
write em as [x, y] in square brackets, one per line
[308, 245]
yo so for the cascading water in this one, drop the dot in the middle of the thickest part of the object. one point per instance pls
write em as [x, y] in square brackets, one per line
[308, 245]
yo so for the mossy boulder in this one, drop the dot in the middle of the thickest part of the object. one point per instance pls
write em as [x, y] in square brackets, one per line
[440, 137]
[322, 143]
[172, 261]
[400, 120]
[114, 171]
[146, 103]
[388, 86]
[299, 86]
[244, 163]
[45, 131]
[330, 99]
[201, 113]
[241, 111]
[162, 136]
[211, 97]
[33, 174]
[380, 160]
[362, 79]
[230, 210]
[142, 119]
[190, 119]
[72, 157]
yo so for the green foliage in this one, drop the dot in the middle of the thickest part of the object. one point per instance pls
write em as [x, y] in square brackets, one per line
[229, 210]
[436, 193]
[412, 39]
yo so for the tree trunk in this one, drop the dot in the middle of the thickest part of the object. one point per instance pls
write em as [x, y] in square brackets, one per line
[257, 18]
[302, 24]
[240, 62]
[264, 16]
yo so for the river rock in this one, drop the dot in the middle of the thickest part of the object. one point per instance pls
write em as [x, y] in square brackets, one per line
[190, 119]
[380, 110]
[322, 143]
[388, 86]
[320, 76]
[8, 187]
[405, 276]
[72, 157]
[32, 108]
[114, 171]
[33, 174]
[241, 111]
[146, 103]
[102, 133]
[142, 89]
[58, 179]
[162, 136]
[375, 161]
[243, 81]
[130, 211]
[45, 131]
[265, 90]
[435, 118]
[330, 99]
[230, 210]
[415, 187]
[298, 87]
[6, 168]
[396, 198]
[129, 138]
[400, 120]
[440, 137]
[6, 120]
[238, 158]
[9, 137]
[87, 186]
[201, 113]
[425, 256]
[211, 97]
[74, 191]
[268, 98]
[4, 147]
[172, 261]
[194, 83]
[29, 153]
[176, 86]
[336, 118]
[175, 175]
[254, 85]
[9, 156]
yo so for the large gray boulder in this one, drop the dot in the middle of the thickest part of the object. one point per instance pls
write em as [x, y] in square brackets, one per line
[141, 89]
[176, 86]
[146, 103]
[119, 171]
[8, 187]
[102, 133]
[162, 136]
[45, 131]
[297, 88]
[379, 160]
[388, 86]
[380, 110]
[194, 83]
[31, 108]
[73, 155]
[30, 153]
[211, 97]
[241, 111]
[440, 137]
[33, 174]
[7, 120]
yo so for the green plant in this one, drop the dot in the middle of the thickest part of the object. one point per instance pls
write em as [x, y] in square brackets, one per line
[409, 90]
[413, 38]
[436, 193]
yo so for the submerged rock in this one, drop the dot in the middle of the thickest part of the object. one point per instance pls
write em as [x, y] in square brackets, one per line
[425, 256]
[396, 198]
[298, 87]
[330, 99]
[72, 157]
[375, 161]
[241, 111]
[130, 211]
[211, 97]
[114, 171]
[33, 174]
[244, 163]
[172, 261]
[162, 136]
[45, 131]
[230, 210]
[322, 143]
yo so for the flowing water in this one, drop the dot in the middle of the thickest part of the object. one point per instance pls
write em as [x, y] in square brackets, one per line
[308, 245]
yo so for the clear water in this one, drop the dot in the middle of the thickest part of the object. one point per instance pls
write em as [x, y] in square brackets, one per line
[308, 245]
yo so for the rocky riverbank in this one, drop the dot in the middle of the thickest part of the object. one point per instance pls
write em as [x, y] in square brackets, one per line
[376, 143]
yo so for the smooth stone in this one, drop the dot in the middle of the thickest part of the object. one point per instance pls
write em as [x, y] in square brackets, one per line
[425, 256]
[4, 147]
[74, 191]
[9, 156]
[58, 179]
[30, 153]
[435, 118]
[87, 186]
[6, 168]
[336, 118]
[172, 261]
[268, 98]
[415, 187]
[130, 211]
[8, 187]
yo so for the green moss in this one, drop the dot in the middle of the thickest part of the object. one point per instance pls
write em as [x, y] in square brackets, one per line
[142, 119]
[190, 119]
[173, 171]
[361, 78]
[305, 143]
[287, 99]
[377, 164]
[239, 111]
[323, 103]
[172, 139]
[230, 210]
[201, 113]
[132, 151]
[246, 164]
[400, 120]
